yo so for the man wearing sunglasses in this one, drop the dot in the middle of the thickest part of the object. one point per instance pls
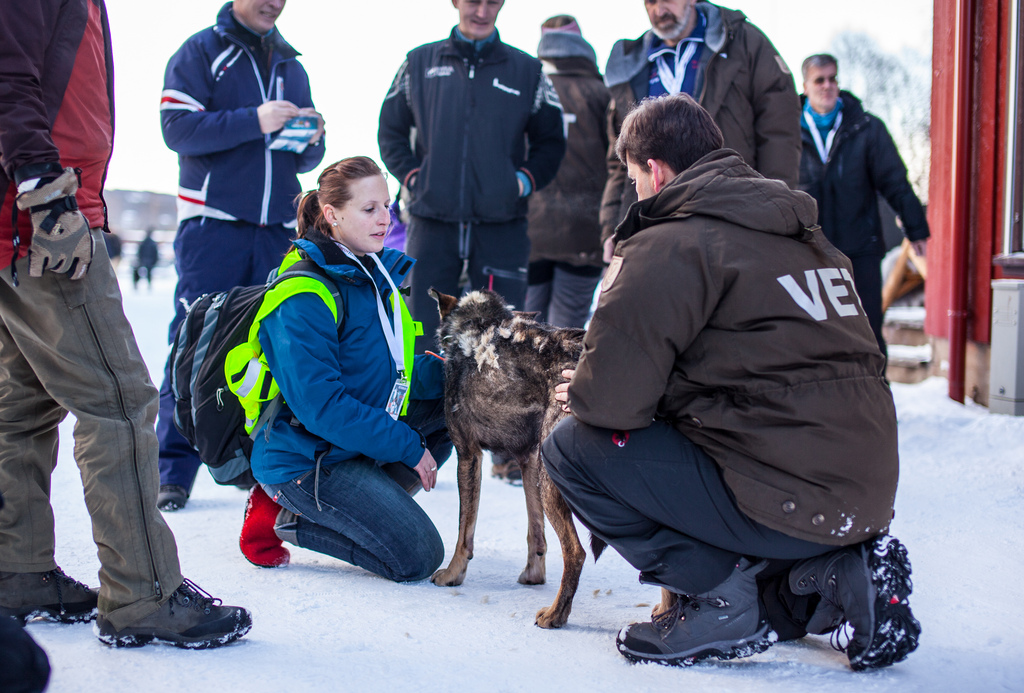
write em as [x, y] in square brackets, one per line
[848, 159]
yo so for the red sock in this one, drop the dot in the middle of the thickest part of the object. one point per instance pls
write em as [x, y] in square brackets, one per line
[259, 544]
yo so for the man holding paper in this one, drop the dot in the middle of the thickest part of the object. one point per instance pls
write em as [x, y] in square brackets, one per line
[237, 109]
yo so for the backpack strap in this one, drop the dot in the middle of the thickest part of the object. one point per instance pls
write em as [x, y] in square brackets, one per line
[245, 365]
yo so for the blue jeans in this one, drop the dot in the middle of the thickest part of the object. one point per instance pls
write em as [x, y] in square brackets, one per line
[366, 516]
[497, 254]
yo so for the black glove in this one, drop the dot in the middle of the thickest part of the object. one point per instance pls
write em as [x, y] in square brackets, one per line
[61, 240]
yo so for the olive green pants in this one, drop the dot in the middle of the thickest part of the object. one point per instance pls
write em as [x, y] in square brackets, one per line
[66, 346]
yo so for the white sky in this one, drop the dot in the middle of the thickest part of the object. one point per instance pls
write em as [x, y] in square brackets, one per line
[352, 50]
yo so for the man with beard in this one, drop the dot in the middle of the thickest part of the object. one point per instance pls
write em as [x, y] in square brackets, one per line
[728, 66]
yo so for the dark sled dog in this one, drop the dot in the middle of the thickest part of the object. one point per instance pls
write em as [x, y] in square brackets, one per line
[501, 369]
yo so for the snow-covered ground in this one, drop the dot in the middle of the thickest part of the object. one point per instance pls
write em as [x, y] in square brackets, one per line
[323, 625]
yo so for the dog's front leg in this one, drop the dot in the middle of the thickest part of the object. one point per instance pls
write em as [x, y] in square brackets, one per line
[535, 572]
[469, 503]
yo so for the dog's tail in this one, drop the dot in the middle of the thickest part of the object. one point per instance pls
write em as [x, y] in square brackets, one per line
[597, 546]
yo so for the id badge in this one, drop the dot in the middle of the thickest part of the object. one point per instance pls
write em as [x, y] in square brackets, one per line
[397, 398]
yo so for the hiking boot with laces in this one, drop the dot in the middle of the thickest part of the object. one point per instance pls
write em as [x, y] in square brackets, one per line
[191, 619]
[866, 586]
[726, 622]
[51, 595]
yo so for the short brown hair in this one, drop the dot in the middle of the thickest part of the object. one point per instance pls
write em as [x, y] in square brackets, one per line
[674, 129]
[333, 188]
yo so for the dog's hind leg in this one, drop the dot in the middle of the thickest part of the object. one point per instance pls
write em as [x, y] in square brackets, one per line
[535, 572]
[573, 556]
[668, 600]
[469, 503]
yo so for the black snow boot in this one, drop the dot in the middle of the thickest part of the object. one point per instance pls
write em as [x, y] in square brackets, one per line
[51, 595]
[726, 622]
[191, 619]
[867, 586]
[171, 498]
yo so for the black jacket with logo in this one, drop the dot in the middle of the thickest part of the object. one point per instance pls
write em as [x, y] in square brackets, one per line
[458, 124]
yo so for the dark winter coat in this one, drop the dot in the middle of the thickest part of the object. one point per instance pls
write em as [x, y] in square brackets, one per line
[726, 316]
[478, 118]
[335, 384]
[56, 103]
[745, 86]
[148, 253]
[862, 163]
[212, 88]
[563, 220]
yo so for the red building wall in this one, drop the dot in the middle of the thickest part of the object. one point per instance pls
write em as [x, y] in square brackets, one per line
[986, 123]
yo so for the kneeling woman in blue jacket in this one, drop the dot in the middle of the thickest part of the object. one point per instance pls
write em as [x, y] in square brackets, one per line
[338, 468]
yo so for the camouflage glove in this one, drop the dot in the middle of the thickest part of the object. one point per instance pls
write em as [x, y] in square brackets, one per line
[61, 240]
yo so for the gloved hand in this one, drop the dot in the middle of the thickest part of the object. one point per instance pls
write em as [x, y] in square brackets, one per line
[61, 241]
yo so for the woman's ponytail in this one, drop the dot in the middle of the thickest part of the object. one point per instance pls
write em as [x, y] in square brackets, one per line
[310, 215]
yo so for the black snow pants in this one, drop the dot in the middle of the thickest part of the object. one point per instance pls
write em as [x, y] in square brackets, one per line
[495, 257]
[660, 501]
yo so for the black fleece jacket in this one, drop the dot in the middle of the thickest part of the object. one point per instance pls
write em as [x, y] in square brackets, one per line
[478, 118]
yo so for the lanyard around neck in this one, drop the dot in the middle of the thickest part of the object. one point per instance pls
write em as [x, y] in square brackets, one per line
[393, 334]
[823, 147]
[671, 79]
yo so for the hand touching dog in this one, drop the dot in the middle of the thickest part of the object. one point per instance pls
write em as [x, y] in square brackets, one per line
[562, 390]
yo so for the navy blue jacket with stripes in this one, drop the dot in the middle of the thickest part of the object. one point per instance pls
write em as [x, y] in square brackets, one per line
[478, 118]
[212, 88]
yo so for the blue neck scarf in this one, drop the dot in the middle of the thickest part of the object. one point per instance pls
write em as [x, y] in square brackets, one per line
[823, 122]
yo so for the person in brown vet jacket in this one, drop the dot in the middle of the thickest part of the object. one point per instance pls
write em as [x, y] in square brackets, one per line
[733, 437]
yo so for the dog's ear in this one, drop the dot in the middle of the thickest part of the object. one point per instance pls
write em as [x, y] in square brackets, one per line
[445, 303]
[526, 314]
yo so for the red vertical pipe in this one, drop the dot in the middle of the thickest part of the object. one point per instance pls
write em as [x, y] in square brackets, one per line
[960, 216]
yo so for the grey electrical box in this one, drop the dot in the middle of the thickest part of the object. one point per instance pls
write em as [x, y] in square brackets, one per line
[1006, 367]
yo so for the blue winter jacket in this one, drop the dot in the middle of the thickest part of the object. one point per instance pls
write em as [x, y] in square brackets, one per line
[335, 384]
[212, 88]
